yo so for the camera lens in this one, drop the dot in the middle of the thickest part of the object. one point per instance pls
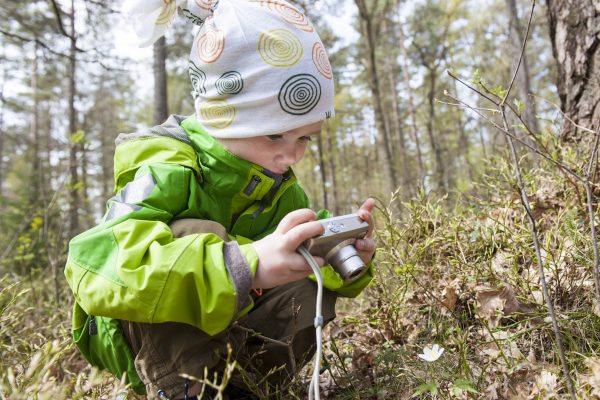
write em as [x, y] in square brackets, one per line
[346, 261]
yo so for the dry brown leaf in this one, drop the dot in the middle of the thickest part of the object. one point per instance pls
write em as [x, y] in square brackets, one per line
[450, 294]
[494, 303]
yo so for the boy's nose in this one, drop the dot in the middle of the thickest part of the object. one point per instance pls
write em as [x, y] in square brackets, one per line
[293, 155]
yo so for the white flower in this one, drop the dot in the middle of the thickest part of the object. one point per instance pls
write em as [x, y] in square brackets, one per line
[430, 354]
[547, 381]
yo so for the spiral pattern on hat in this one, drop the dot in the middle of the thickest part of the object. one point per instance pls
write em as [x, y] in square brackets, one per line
[198, 78]
[300, 94]
[230, 82]
[217, 113]
[321, 61]
[280, 47]
[167, 13]
[288, 13]
[210, 44]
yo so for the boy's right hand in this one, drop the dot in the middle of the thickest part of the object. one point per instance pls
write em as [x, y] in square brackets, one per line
[278, 261]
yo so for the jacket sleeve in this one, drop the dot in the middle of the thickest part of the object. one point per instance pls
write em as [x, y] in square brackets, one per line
[131, 267]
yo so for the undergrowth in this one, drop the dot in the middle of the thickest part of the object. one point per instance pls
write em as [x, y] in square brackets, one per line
[462, 276]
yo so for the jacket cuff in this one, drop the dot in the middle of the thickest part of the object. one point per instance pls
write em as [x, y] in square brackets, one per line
[239, 269]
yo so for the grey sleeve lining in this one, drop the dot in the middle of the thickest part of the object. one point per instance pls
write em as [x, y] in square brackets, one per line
[239, 270]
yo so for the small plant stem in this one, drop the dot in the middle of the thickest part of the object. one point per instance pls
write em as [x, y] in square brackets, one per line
[536, 245]
[590, 204]
[534, 235]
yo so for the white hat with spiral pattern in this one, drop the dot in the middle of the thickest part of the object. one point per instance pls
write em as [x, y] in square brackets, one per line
[256, 67]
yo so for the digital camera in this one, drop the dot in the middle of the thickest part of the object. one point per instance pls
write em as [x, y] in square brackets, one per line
[336, 245]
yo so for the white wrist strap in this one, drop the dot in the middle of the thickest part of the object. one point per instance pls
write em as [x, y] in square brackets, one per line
[313, 390]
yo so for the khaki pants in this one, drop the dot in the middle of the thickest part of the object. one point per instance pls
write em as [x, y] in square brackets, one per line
[285, 313]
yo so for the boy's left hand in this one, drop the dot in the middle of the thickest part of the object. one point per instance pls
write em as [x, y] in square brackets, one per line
[366, 245]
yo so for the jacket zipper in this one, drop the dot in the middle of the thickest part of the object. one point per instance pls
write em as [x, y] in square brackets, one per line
[93, 328]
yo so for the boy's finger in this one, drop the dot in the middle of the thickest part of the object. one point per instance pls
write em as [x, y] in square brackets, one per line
[295, 218]
[364, 212]
[368, 205]
[301, 233]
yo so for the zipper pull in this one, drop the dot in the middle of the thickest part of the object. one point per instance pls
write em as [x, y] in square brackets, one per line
[93, 328]
[252, 185]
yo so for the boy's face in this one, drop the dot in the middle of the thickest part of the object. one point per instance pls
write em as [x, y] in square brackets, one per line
[274, 152]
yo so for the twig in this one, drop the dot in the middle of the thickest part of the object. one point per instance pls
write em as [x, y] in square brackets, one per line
[521, 141]
[582, 128]
[590, 204]
[502, 106]
[534, 235]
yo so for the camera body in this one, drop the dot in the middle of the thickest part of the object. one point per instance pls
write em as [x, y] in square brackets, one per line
[336, 245]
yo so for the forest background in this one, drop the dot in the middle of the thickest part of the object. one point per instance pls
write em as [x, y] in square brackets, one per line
[472, 122]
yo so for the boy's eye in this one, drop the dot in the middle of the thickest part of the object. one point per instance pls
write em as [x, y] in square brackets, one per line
[305, 138]
[274, 137]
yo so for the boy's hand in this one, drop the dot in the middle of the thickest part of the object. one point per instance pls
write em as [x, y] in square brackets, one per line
[366, 245]
[278, 261]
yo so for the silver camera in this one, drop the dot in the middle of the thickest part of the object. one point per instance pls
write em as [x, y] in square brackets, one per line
[336, 245]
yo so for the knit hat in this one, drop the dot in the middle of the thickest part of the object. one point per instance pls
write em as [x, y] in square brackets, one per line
[257, 67]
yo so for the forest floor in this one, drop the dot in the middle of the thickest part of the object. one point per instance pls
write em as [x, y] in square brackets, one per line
[456, 310]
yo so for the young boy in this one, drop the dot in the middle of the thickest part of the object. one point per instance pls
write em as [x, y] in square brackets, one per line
[198, 246]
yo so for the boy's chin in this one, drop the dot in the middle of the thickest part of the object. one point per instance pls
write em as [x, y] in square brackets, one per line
[276, 171]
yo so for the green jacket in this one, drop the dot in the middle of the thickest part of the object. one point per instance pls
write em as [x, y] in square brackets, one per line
[130, 267]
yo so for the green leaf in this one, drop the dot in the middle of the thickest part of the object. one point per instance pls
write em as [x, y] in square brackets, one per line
[520, 106]
[499, 91]
[476, 77]
[77, 136]
[462, 385]
[426, 388]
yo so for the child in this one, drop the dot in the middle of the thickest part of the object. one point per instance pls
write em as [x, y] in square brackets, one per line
[198, 246]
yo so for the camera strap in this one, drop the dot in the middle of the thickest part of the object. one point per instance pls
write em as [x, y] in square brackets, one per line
[313, 390]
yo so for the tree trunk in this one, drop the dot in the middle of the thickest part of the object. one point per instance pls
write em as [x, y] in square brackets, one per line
[74, 176]
[575, 34]
[366, 21]
[2, 143]
[34, 136]
[332, 170]
[435, 146]
[398, 128]
[161, 111]
[463, 140]
[86, 205]
[322, 169]
[523, 80]
[411, 105]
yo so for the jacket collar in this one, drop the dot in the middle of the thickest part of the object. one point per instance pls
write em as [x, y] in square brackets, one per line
[230, 174]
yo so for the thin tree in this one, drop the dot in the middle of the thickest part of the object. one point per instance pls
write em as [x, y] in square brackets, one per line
[161, 111]
[414, 130]
[523, 77]
[370, 30]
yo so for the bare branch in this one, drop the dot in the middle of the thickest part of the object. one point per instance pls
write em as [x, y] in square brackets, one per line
[512, 81]
[583, 128]
[29, 40]
[57, 12]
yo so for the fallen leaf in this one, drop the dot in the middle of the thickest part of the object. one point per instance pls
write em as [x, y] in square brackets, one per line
[494, 303]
